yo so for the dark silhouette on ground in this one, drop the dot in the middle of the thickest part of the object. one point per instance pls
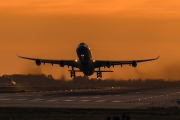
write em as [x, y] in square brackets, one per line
[42, 80]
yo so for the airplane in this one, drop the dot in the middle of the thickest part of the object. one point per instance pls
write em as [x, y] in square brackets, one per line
[12, 83]
[86, 63]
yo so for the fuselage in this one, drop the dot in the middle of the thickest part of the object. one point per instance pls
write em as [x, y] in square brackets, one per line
[85, 61]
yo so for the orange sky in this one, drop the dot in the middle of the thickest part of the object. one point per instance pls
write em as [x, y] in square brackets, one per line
[126, 29]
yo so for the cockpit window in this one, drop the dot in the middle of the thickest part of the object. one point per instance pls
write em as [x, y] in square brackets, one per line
[83, 44]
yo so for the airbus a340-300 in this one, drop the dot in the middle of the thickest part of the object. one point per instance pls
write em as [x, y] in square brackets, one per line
[86, 63]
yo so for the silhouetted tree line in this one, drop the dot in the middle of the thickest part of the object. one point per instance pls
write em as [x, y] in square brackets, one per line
[84, 82]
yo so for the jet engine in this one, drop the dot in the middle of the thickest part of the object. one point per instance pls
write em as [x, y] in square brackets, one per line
[134, 63]
[108, 64]
[38, 62]
[61, 63]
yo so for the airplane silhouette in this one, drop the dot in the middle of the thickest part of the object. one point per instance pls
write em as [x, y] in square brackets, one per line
[86, 64]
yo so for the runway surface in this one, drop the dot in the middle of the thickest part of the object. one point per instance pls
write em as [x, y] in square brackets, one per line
[74, 99]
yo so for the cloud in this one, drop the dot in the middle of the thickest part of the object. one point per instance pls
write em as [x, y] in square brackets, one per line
[64, 7]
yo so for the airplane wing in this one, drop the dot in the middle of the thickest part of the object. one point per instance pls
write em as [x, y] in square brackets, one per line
[108, 63]
[62, 63]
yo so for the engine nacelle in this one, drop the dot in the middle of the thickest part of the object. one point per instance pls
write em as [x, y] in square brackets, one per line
[108, 64]
[134, 63]
[61, 63]
[38, 62]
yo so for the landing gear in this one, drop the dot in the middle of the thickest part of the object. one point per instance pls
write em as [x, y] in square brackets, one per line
[72, 73]
[99, 73]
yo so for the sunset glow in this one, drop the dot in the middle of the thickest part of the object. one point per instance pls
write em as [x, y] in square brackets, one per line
[115, 30]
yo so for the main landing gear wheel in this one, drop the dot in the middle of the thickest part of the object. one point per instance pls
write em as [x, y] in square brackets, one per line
[99, 74]
[73, 74]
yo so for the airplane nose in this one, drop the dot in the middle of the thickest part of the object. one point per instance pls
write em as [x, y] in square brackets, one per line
[83, 45]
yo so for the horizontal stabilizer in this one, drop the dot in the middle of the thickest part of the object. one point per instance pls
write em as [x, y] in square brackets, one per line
[75, 70]
[94, 71]
[103, 71]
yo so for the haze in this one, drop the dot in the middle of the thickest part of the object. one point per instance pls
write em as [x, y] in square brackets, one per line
[114, 29]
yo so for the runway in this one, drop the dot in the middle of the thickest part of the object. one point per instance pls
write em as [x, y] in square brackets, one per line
[74, 99]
